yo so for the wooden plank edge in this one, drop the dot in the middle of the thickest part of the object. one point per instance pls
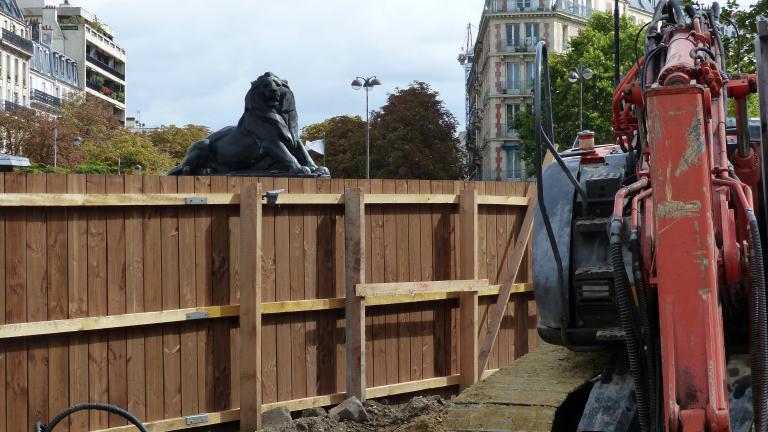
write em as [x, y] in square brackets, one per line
[297, 404]
[410, 288]
[42, 328]
[503, 200]
[108, 200]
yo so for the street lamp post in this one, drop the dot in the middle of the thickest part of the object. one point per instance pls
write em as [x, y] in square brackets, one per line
[367, 84]
[77, 141]
[581, 74]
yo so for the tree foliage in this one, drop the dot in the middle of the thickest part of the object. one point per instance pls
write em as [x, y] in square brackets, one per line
[133, 152]
[344, 144]
[414, 137]
[174, 141]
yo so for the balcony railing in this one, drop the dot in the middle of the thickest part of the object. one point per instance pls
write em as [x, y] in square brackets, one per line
[99, 89]
[511, 87]
[506, 131]
[17, 41]
[94, 61]
[563, 6]
[48, 99]
[10, 106]
[514, 47]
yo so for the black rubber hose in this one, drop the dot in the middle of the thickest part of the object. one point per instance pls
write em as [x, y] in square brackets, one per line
[93, 406]
[626, 309]
[758, 321]
[647, 331]
[678, 16]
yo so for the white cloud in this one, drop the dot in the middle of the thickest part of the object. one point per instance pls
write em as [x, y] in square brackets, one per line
[192, 61]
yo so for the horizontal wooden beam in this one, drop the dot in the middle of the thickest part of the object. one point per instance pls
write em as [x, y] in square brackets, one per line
[502, 200]
[294, 405]
[42, 328]
[411, 199]
[411, 288]
[126, 200]
[105, 200]
[180, 423]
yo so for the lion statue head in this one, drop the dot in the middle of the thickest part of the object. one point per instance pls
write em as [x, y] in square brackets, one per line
[265, 93]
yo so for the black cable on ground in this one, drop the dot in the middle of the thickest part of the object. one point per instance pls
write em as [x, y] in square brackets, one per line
[87, 407]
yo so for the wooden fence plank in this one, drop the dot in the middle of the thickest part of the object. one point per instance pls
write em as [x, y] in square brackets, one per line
[187, 299]
[98, 357]
[326, 354]
[58, 300]
[354, 245]
[414, 274]
[250, 309]
[169, 226]
[403, 336]
[390, 275]
[310, 247]
[468, 314]
[414, 288]
[268, 288]
[134, 290]
[282, 275]
[37, 293]
[427, 274]
[77, 286]
[440, 267]
[222, 372]
[377, 333]
[153, 301]
[296, 279]
[116, 299]
[204, 288]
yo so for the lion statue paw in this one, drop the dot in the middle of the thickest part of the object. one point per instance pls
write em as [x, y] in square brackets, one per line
[300, 170]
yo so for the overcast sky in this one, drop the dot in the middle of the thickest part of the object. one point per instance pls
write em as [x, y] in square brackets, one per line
[192, 61]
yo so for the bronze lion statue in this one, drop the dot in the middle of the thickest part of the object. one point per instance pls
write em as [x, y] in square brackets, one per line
[265, 141]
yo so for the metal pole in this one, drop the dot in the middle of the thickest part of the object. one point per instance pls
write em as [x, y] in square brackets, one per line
[55, 147]
[616, 44]
[367, 134]
[581, 98]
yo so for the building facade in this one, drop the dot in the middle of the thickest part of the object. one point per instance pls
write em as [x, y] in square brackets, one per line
[501, 69]
[15, 53]
[87, 43]
[54, 77]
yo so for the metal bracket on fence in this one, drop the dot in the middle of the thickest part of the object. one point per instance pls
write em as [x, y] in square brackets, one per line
[196, 419]
[196, 315]
[195, 201]
[272, 196]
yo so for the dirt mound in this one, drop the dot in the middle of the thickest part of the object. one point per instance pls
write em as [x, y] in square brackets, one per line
[420, 414]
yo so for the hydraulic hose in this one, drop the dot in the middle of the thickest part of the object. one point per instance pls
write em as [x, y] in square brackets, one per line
[91, 406]
[625, 304]
[758, 321]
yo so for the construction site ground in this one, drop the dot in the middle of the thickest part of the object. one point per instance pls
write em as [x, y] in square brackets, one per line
[523, 396]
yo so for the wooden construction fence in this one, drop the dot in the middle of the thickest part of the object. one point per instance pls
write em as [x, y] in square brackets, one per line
[122, 289]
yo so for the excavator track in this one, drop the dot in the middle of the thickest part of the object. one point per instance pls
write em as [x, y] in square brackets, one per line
[529, 394]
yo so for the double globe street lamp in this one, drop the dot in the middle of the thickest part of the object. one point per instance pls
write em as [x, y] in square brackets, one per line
[581, 74]
[367, 84]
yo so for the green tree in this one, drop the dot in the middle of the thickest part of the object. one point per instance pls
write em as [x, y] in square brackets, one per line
[131, 150]
[414, 137]
[174, 140]
[592, 48]
[344, 144]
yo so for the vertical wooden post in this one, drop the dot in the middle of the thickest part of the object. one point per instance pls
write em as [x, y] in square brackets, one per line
[354, 270]
[468, 316]
[250, 307]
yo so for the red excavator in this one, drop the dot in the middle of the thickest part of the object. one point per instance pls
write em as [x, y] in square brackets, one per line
[650, 248]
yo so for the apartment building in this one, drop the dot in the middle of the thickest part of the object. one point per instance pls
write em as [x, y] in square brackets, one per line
[500, 77]
[89, 44]
[54, 77]
[15, 53]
